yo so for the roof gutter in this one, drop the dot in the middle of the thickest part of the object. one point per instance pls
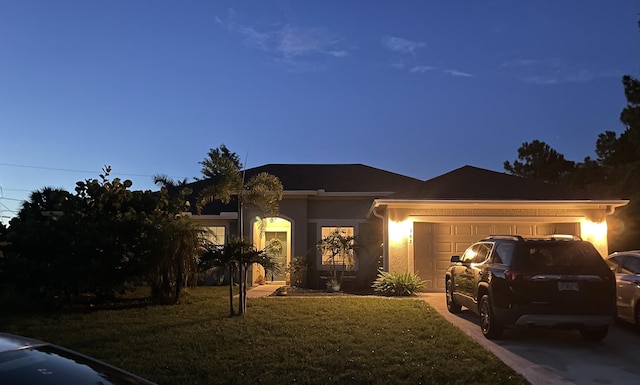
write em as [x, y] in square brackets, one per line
[608, 205]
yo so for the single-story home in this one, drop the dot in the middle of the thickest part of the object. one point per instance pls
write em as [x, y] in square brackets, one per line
[402, 223]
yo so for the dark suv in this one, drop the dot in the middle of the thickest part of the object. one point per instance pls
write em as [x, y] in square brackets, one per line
[510, 281]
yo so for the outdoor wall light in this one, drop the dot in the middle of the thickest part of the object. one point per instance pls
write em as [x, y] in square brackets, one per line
[399, 231]
[594, 232]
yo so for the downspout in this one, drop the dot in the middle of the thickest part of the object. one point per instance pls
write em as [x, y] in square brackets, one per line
[610, 210]
[385, 236]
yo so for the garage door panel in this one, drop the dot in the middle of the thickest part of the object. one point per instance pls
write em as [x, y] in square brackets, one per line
[441, 229]
[435, 243]
[524, 230]
[443, 247]
[463, 230]
[483, 229]
[503, 229]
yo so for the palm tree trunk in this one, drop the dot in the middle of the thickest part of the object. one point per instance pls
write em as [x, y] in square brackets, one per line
[179, 278]
[241, 290]
[244, 290]
[231, 311]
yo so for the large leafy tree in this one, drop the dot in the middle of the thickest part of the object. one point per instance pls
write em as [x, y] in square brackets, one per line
[537, 160]
[262, 191]
[94, 241]
[615, 171]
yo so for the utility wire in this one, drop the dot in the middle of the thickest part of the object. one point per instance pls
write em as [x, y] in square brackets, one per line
[71, 170]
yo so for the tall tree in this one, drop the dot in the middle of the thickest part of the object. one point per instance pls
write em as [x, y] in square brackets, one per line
[262, 191]
[181, 242]
[537, 160]
[615, 171]
[95, 240]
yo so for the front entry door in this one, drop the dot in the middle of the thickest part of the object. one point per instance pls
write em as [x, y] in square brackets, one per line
[276, 241]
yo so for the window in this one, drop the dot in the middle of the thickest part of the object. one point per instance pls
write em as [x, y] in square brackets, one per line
[614, 262]
[331, 255]
[631, 266]
[482, 252]
[477, 254]
[503, 253]
[216, 235]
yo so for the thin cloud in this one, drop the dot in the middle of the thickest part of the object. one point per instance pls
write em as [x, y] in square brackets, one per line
[295, 47]
[553, 71]
[453, 72]
[298, 41]
[421, 69]
[401, 45]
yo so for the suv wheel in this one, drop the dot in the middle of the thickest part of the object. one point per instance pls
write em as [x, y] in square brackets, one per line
[491, 328]
[595, 334]
[452, 306]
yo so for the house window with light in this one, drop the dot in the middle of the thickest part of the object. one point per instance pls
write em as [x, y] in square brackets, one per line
[340, 260]
[216, 235]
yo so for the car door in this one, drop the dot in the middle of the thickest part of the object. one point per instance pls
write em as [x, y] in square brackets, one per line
[473, 259]
[459, 278]
[627, 278]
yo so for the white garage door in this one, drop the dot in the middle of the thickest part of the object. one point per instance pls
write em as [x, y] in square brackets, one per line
[435, 243]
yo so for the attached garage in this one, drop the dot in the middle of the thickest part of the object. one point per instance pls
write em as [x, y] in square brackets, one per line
[435, 243]
[424, 227]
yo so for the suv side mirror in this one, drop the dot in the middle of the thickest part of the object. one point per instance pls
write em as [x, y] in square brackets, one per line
[456, 259]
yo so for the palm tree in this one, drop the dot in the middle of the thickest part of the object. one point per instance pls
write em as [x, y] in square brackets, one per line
[262, 191]
[182, 244]
[236, 255]
[179, 244]
[223, 256]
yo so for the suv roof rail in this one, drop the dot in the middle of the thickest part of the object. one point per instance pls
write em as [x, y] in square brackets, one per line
[506, 236]
[568, 237]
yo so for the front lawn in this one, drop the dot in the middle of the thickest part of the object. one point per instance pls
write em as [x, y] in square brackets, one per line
[281, 340]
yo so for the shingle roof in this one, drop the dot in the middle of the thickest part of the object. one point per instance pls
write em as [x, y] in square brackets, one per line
[472, 183]
[342, 178]
[336, 177]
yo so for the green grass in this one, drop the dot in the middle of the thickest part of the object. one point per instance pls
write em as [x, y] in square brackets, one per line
[281, 340]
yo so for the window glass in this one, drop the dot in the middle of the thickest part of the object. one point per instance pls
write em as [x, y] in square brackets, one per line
[631, 265]
[469, 254]
[336, 258]
[215, 235]
[538, 255]
[614, 262]
[503, 253]
[482, 252]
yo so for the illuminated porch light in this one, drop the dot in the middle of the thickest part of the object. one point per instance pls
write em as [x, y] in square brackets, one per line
[399, 231]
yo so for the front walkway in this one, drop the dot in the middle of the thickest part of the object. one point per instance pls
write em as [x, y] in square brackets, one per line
[263, 290]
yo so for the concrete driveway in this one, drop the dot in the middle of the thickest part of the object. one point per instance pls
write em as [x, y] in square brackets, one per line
[556, 357]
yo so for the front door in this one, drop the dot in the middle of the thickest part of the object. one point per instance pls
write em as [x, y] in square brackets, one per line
[277, 242]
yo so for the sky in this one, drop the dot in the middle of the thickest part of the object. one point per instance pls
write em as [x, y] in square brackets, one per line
[418, 88]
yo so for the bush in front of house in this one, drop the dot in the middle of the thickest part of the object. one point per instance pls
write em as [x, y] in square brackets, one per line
[397, 284]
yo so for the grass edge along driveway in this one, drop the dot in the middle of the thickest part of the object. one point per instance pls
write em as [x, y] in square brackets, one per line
[290, 340]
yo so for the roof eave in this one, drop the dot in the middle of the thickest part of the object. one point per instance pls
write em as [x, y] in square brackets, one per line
[609, 205]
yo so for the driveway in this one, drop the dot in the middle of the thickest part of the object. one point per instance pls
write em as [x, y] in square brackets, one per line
[556, 357]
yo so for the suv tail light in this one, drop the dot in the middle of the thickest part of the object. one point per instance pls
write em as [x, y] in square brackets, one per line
[515, 275]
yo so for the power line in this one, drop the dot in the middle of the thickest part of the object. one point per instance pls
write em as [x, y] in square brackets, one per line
[12, 199]
[76, 171]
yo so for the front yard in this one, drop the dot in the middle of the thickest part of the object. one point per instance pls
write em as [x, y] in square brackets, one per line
[281, 340]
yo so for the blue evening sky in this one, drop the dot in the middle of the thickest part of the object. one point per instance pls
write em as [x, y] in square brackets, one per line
[414, 87]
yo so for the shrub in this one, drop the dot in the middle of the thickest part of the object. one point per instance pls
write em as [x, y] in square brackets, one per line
[297, 270]
[397, 284]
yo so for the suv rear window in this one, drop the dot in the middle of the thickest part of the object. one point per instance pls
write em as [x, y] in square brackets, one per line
[541, 255]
